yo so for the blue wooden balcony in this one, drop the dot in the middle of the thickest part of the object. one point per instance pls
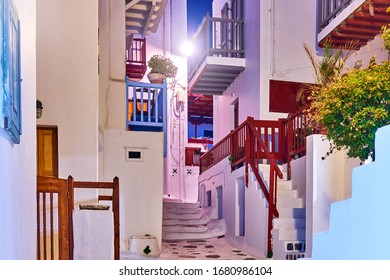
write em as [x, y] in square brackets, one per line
[146, 108]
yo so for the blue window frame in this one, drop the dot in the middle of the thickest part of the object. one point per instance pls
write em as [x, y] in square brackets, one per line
[10, 71]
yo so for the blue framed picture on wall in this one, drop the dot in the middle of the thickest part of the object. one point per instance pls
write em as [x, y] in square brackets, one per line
[10, 115]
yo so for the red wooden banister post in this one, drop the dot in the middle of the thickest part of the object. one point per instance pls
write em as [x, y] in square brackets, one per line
[115, 206]
[232, 148]
[289, 146]
[281, 140]
[70, 214]
[271, 205]
[248, 153]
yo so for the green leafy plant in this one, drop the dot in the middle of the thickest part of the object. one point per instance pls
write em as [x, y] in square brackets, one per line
[231, 158]
[162, 65]
[147, 250]
[352, 107]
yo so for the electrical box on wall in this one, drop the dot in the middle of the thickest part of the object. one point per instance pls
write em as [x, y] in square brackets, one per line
[134, 154]
[181, 96]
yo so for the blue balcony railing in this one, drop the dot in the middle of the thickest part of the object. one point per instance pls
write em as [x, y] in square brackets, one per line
[146, 108]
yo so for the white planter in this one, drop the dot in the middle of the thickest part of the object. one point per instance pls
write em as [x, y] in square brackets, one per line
[141, 244]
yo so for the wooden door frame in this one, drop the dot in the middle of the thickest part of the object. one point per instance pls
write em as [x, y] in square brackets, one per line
[53, 128]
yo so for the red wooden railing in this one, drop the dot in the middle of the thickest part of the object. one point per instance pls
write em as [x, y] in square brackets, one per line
[233, 145]
[217, 153]
[113, 198]
[271, 142]
[257, 149]
[52, 217]
[55, 204]
[136, 59]
[285, 140]
[249, 143]
[296, 127]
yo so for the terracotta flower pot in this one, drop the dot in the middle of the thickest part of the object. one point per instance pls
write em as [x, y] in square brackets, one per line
[156, 78]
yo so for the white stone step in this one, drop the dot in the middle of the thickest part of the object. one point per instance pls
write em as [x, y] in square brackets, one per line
[183, 216]
[284, 185]
[265, 176]
[202, 221]
[290, 234]
[215, 228]
[287, 193]
[182, 205]
[299, 213]
[264, 168]
[290, 203]
[180, 210]
[185, 228]
[178, 215]
[289, 223]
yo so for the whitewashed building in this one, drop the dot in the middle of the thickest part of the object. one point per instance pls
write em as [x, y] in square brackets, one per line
[248, 55]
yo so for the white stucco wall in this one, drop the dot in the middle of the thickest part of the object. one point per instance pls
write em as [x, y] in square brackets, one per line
[327, 181]
[373, 48]
[359, 227]
[167, 41]
[246, 87]
[18, 162]
[112, 66]
[112, 85]
[67, 82]
[272, 51]
[140, 182]
[287, 26]
[255, 212]
[298, 176]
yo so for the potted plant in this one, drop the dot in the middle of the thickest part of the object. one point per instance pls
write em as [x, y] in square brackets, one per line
[160, 68]
[231, 159]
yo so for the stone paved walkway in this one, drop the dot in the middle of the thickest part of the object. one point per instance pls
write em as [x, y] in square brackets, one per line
[207, 249]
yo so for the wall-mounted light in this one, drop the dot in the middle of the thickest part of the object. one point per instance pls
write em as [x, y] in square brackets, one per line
[187, 48]
[39, 109]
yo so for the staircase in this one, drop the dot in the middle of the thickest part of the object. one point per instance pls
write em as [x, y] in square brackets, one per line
[189, 221]
[289, 229]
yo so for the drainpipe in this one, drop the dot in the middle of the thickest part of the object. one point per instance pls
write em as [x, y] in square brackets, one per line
[170, 27]
[272, 37]
[164, 35]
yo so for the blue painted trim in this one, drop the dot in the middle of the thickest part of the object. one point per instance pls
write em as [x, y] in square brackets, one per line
[141, 123]
[11, 71]
[156, 101]
[165, 104]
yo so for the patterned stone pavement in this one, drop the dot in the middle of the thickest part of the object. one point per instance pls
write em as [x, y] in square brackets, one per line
[207, 249]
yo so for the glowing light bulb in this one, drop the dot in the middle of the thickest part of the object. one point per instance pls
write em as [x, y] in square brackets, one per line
[187, 48]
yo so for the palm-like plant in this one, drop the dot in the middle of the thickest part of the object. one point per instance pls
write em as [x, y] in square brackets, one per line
[326, 68]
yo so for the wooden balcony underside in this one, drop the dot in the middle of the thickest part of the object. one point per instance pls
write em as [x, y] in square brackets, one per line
[364, 24]
[215, 75]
